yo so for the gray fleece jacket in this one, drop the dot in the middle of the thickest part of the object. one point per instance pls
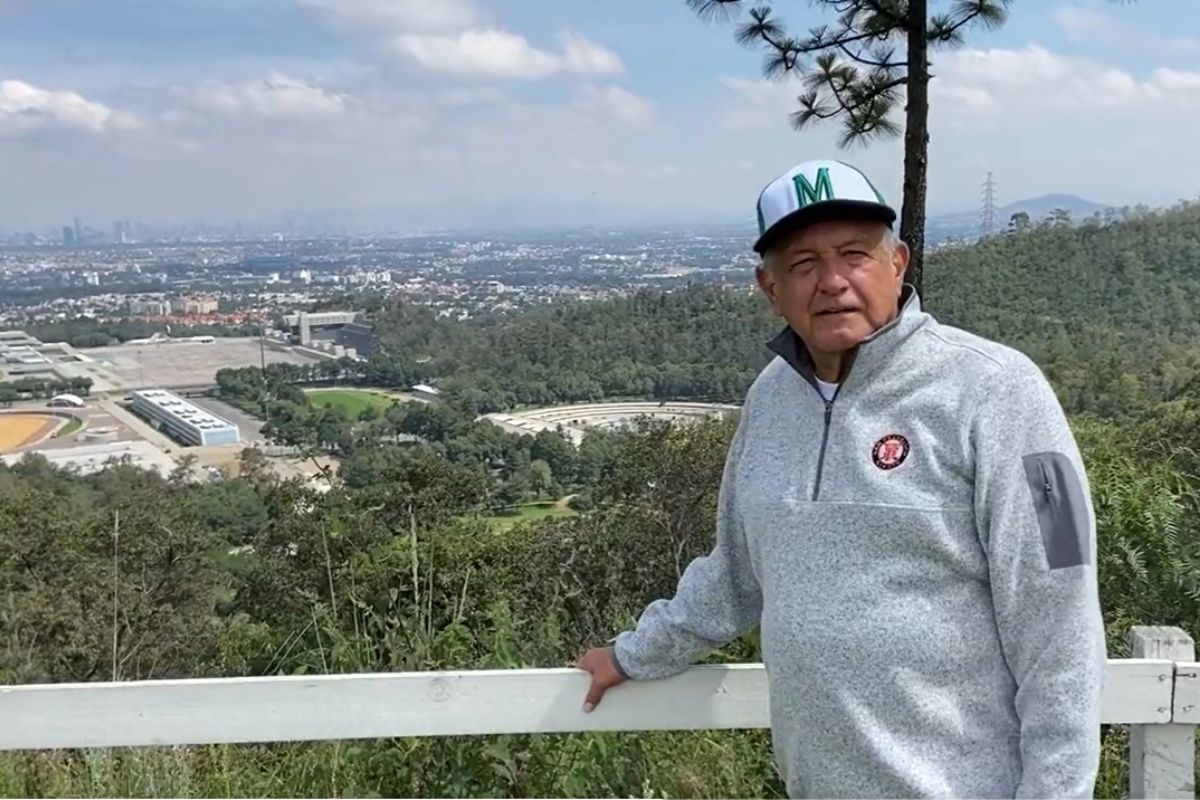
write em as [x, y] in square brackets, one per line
[920, 555]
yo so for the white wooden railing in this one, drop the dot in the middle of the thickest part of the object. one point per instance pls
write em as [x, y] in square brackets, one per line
[1156, 693]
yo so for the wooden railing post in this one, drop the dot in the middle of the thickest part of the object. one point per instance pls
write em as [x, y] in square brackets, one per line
[1162, 758]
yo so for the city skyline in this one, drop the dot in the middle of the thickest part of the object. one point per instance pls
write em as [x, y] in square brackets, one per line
[543, 114]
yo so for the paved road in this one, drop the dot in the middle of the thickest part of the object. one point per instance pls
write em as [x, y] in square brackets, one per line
[139, 426]
[248, 426]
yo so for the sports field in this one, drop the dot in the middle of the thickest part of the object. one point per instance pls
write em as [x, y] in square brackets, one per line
[352, 401]
[530, 512]
[19, 429]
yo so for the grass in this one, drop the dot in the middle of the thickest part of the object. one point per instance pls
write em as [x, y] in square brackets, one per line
[351, 401]
[73, 425]
[528, 513]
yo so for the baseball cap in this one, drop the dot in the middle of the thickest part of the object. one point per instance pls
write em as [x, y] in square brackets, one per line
[817, 190]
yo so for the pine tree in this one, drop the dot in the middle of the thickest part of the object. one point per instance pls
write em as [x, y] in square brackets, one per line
[872, 58]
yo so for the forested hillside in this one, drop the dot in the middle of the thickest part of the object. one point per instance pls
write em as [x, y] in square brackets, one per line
[1110, 309]
[1111, 312]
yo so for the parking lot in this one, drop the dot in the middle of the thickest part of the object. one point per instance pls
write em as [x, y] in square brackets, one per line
[174, 364]
[248, 426]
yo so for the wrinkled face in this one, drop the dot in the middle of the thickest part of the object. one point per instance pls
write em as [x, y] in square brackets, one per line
[835, 282]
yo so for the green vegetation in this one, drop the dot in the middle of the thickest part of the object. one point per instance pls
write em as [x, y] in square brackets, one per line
[1110, 308]
[85, 332]
[403, 566]
[385, 578]
[41, 388]
[71, 427]
[352, 402]
[529, 512]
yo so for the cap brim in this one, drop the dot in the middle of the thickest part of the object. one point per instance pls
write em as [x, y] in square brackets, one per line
[821, 212]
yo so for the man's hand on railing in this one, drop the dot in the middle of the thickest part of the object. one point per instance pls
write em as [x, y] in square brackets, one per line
[600, 663]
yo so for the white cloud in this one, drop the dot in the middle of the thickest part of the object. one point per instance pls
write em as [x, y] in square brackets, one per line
[396, 15]
[1172, 80]
[491, 52]
[276, 96]
[616, 104]
[1092, 27]
[24, 108]
[754, 103]
[977, 82]
[586, 57]
[477, 52]
[452, 37]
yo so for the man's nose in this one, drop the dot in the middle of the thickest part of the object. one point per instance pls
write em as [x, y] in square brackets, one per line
[831, 278]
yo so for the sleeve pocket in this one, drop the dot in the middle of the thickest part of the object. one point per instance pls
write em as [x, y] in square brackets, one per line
[1061, 509]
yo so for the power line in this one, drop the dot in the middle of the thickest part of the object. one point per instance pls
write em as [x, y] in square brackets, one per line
[987, 220]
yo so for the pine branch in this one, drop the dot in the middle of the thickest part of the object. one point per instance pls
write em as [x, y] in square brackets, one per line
[946, 28]
[709, 10]
[888, 11]
[882, 59]
[865, 102]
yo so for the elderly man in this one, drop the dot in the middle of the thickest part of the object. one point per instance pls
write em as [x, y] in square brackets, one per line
[905, 515]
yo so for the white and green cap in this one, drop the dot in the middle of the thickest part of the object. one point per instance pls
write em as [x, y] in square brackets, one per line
[817, 190]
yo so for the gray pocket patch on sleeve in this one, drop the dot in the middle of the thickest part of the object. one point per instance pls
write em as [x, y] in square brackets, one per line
[1061, 509]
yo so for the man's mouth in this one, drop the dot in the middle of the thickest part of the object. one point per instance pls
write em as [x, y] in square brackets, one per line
[832, 311]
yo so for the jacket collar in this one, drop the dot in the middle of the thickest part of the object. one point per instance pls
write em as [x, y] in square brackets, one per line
[871, 353]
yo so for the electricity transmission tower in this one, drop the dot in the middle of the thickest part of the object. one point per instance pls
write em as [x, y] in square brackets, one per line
[987, 220]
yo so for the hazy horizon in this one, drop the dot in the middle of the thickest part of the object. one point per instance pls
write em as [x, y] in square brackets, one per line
[544, 113]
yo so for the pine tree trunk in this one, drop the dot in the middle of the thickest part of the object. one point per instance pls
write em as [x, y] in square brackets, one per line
[916, 142]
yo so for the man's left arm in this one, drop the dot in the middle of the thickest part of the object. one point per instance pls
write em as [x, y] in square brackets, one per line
[1038, 527]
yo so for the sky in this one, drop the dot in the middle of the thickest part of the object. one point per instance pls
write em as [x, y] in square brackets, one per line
[422, 114]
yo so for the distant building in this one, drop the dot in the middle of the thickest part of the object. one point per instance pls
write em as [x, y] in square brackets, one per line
[66, 401]
[332, 329]
[185, 421]
[359, 336]
[154, 308]
[425, 392]
[194, 305]
[22, 359]
[17, 338]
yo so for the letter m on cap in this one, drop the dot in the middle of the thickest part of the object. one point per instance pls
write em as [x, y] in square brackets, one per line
[807, 193]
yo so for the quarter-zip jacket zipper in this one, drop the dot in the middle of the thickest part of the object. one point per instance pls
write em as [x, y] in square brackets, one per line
[816, 493]
[824, 442]
[791, 351]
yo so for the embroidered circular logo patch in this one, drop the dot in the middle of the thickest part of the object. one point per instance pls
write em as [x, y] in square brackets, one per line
[890, 451]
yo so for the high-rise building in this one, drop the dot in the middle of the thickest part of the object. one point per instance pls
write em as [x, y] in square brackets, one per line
[68, 235]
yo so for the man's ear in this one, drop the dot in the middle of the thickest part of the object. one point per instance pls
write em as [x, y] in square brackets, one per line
[901, 257]
[766, 283]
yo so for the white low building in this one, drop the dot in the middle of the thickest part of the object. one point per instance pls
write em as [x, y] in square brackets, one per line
[184, 420]
[66, 401]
